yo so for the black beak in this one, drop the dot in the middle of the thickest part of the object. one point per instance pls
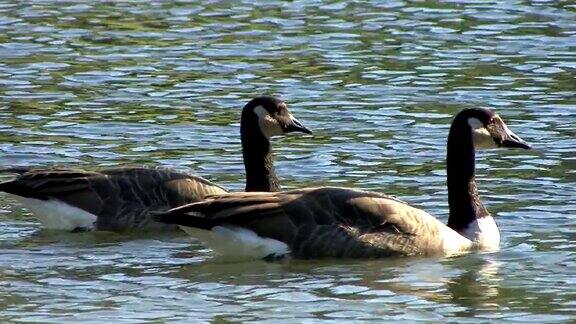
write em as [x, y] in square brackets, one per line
[514, 141]
[296, 126]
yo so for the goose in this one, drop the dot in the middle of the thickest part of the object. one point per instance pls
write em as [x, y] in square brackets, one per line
[333, 222]
[122, 198]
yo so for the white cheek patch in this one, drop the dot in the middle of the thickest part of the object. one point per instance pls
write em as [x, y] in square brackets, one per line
[481, 136]
[483, 139]
[268, 125]
[475, 123]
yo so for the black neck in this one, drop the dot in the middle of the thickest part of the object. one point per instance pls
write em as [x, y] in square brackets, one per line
[463, 200]
[258, 158]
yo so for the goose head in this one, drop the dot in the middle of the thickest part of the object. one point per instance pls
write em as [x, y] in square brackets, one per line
[489, 130]
[272, 117]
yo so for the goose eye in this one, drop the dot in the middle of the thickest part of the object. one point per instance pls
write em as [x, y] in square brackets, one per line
[490, 121]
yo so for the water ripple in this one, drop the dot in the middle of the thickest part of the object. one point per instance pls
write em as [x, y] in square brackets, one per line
[154, 83]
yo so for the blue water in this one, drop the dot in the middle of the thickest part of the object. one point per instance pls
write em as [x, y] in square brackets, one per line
[87, 84]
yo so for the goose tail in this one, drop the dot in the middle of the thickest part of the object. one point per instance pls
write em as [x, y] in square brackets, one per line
[14, 170]
[9, 185]
[189, 219]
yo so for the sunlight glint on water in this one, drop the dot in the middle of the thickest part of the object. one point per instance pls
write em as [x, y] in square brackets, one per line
[105, 84]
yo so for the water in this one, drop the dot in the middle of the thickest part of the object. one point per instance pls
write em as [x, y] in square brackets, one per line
[104, 84]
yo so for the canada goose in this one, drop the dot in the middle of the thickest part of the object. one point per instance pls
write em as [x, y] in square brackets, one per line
[340, 222]
[122, 198]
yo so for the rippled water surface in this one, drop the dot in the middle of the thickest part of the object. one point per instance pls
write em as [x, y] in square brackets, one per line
[162, 83]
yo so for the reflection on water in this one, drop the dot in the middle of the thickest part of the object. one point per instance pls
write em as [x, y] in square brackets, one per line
[162, 83]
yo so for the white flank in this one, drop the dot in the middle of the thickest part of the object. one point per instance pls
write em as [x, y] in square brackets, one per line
[453, 242]
[238, 243]
[55, 214]
[484, 234]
